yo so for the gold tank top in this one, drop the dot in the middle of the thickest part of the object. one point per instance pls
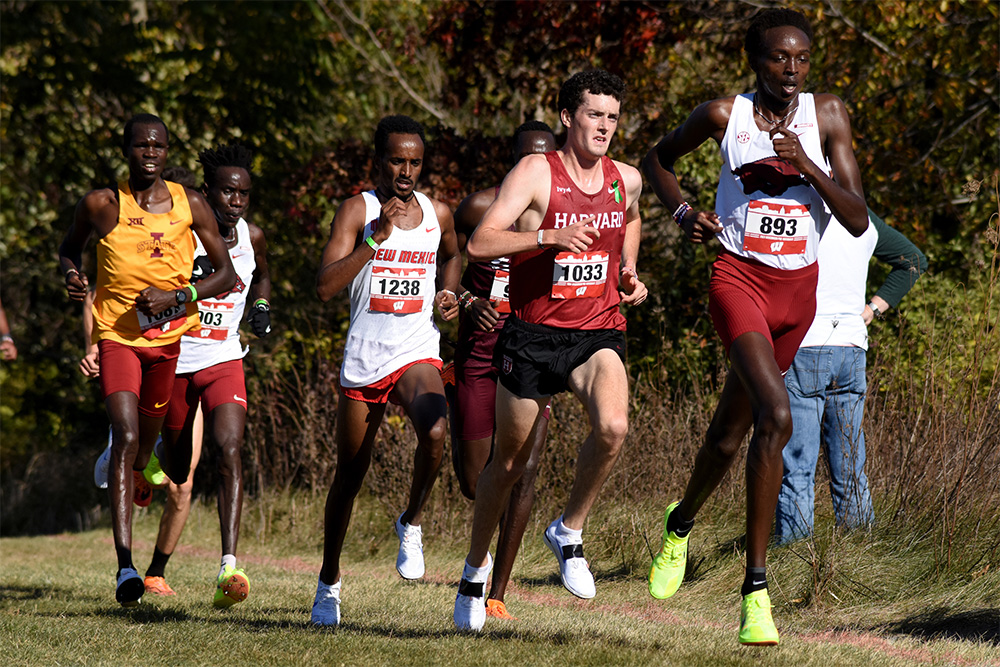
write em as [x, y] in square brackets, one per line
[144, 249]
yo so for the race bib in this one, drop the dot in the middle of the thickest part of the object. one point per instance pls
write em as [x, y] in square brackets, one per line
[397, 290]
[580, 275]
[776, 229]
[216, 320]
[500, 291]
[153, 326]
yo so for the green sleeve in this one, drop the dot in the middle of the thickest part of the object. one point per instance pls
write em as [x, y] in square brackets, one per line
[906, 260]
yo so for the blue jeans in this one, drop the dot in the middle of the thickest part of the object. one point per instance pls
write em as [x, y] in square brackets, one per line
[826, 390]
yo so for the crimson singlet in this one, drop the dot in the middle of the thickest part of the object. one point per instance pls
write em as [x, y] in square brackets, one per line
[567, 290]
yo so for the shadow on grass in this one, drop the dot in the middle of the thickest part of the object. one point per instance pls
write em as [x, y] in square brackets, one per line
[975, 625]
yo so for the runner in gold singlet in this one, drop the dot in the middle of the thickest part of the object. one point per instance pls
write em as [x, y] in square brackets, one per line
[143, 304]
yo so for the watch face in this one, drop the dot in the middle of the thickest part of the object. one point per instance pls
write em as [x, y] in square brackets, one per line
[181, 296]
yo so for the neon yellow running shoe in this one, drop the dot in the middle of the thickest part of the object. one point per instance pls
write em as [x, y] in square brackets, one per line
[667, 573]
[756, 625]
[231, 587]
[153, 472]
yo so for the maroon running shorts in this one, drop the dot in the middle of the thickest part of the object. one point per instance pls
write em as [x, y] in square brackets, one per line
[213, 386]
[745, 295]
[147, 372]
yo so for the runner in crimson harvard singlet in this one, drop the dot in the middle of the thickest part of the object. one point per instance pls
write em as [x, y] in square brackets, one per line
[485, 306]
[394, 250]
[787, 161]
[573, 248]
[142, 306]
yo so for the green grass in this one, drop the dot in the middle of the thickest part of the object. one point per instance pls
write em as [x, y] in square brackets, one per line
[841, 600]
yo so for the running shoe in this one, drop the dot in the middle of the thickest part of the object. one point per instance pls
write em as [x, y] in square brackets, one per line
[667, 573]
[231, 587]
[448, 375]
[756, 625]
[573, 568]
[153, 472]
[102, 466]
[157, 586]
[410, 559]
[143, 491]
[497, 609]
[326, 605]
[129, 587]
[470, 607]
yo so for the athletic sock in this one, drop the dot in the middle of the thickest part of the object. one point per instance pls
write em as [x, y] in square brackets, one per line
[678, 526]
[563, 531]
[158, 447]
[227, 559]
[159, 563]
[755, 580]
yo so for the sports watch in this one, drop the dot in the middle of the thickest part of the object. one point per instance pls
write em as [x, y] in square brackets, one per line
[181, 295]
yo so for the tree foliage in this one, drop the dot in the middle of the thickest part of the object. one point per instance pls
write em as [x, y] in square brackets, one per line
[303, 83]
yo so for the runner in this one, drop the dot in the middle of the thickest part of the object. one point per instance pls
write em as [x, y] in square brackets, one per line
[787, 160]
[826, 382]
[573, 250]
[385, 247]
[143, 305]
[486, 305]
[210, 370]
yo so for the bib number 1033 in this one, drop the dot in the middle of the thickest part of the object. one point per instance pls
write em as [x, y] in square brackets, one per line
[579, 275]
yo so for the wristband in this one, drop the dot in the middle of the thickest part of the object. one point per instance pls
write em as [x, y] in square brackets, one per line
[466, 300]
[540, 239]
[194, 293]
[69, 271]
[263, 302]
[372, 244]
[681, 211]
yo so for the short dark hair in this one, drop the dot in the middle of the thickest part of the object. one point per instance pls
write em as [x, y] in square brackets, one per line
[532, 126]
[773, 18]
[233, 155]
[595, 82]
[141, 119]
[398, 124]
[181, 175]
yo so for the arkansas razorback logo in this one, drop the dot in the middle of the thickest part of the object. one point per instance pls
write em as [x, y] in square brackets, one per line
[772, 176]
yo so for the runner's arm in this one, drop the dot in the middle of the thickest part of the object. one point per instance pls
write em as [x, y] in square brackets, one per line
[449, 264]
[843, 193]
[259, 315]
[707, 121]
[346, 253]
[96, 206]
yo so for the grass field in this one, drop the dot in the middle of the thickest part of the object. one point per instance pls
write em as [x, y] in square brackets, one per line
[839, 600]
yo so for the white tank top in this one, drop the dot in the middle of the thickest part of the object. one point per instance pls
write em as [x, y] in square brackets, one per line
[392, 300]
[768, 210]
[218, 340]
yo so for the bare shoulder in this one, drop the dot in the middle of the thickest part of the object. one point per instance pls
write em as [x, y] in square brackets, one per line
[718, 111]
[631, 177]
[256, 234]
[834, 121]
[472, 209]
[95, 201]
[351, 212]
[442, 209]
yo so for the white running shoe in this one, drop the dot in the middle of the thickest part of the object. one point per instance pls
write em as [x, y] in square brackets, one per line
[129, 587]
[410, 559]
[573, 568]
[326, 605]
[103, 465]
[470, 603]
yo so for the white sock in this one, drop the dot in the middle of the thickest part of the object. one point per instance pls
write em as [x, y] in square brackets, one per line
[333, 589]
[563, 531]
[478, 575]
[228, 559]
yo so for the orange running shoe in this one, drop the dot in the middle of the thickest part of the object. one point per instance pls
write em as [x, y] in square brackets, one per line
[497, 609]
[448, 374]
[143, 491]
[158, 586]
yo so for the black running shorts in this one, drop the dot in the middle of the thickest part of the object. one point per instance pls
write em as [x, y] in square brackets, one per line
[534, 361]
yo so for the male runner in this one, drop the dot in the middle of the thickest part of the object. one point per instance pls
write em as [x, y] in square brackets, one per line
[486, 303]
[779, 147]
[143, 305]
[210, 368]
[826, 382]
[385, 247]
[573, 247]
